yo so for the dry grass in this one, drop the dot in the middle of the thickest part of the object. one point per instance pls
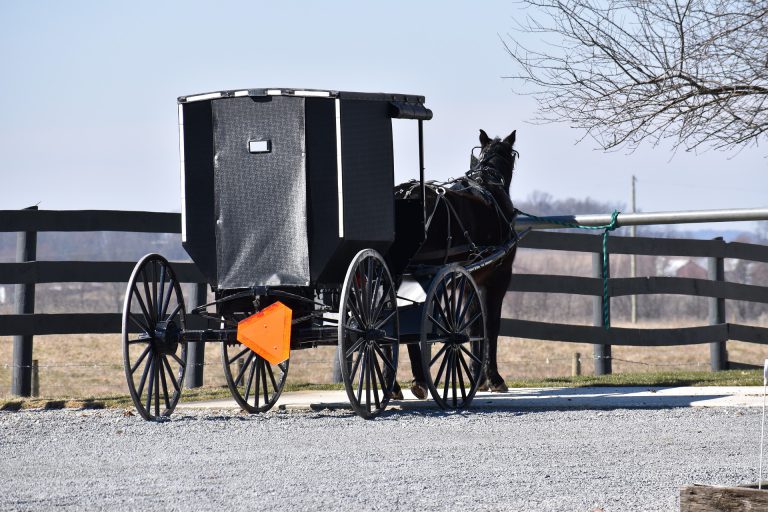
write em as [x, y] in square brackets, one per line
[78, 366]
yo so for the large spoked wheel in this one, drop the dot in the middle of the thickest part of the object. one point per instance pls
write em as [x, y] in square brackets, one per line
[254, 382]
[369, 332]
[454, 346]
[154, 352]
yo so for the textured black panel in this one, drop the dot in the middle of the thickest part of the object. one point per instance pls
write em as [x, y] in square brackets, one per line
[261, 230]
[368, 171]
[200, 226]
[322, 187]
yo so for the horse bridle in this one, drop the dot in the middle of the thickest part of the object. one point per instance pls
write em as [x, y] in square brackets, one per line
[484, 172]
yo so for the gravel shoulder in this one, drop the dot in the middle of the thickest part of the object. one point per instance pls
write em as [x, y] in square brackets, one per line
[580, 460]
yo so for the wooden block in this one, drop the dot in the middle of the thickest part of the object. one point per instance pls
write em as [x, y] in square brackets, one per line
[712, 498]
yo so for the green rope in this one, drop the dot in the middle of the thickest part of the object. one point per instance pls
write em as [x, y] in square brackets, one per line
[607, 228]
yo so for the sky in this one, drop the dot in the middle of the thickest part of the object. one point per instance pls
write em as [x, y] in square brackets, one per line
[88, 98]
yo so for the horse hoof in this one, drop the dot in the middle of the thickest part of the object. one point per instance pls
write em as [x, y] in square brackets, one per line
[419, 390]
[396, 393]
[499, 388]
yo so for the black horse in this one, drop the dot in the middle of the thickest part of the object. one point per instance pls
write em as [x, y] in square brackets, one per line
[466, 218]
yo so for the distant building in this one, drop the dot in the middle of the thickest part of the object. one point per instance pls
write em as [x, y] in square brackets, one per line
[684, 268]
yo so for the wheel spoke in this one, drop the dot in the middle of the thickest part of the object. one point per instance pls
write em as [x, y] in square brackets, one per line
[471, 355]
[438, 324]
[447, 302]
[368, 379]
[375, 289]
[437, 356]
[453, 377]
[354, 329]
[468, 304]
[354, 348]
[144, 311]
[248, 361]
[387, 319]
[161, 291]
[140, 359]
[238, 356]
[361, 379]
[447, 381]
[144, 377]
[459, 372]
[264, 364]
[374, 371]
[466, 369]
[471, 322]
[353, 370]
[171, 289]
[442, 367]
[384, 358]
[174, 312]
[459, 299]
[148, 296]
[151, 383]
[178, 360]
[249, 382]
[154, 289]
[157, 389]
[170, 374]
[271, 376]
[165, 387]
[442, 313]
[452, 303]
[139, 324]
[355, 309]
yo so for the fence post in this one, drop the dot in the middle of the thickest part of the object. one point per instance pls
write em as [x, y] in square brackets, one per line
[21, 381]
[196, 349]
[35, 378]
[336, 373]
[576, 364]
[602, 353]
[718, 353]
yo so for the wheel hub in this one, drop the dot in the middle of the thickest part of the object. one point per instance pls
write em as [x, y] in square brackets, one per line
[167, 337]
[375, 334]
[458, 338]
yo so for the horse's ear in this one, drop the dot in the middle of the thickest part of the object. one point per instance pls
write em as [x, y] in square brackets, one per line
[510, 139]
[484, 138]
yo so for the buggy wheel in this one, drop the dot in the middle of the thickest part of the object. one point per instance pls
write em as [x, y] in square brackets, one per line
[254, 382]
[369, 332]
[454, 345]
[154, 352]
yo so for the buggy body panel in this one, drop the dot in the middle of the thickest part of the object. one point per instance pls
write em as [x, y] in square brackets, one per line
[281, 187]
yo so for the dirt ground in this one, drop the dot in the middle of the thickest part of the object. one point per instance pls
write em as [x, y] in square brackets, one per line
[87, 365]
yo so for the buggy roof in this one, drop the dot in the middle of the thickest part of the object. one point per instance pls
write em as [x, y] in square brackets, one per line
[404, 106]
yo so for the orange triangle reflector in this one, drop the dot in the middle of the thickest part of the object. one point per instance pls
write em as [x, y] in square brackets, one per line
[268, 332]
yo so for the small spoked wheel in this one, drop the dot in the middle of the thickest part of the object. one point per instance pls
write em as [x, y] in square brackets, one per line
[254, 382]
[369, 332]
[454, 346]
[154, 352]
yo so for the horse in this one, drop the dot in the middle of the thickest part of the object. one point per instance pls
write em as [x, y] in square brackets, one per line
[477, 213]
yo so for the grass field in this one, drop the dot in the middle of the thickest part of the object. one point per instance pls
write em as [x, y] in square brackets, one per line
[83, 366]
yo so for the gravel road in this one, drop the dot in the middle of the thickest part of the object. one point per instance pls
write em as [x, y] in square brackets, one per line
[615, 460]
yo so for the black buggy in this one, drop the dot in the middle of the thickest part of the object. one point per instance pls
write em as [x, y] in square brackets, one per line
[289, 213]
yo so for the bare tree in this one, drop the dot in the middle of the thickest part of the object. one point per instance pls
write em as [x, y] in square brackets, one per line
[692, 72]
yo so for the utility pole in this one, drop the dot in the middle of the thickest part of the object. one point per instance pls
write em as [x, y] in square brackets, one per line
[633, 257]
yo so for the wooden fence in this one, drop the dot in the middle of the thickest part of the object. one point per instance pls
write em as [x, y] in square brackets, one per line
[717, 333]
[26, 272]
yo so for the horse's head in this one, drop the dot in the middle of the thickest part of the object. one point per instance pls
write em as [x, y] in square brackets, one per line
[496, 161]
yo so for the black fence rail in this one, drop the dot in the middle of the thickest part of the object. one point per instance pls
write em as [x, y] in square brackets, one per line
[26, 272]
[715, 287]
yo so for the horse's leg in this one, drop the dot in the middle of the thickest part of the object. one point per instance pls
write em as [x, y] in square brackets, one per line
[495, 290]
